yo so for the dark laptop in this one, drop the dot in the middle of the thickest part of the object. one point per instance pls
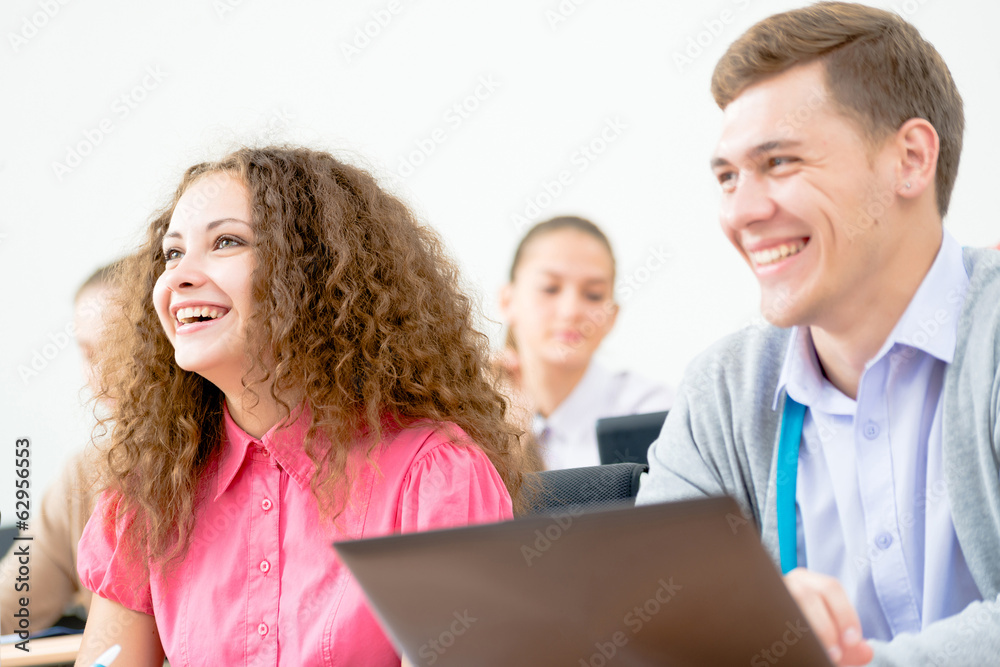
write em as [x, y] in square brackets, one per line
[674, 584]
[627, 439]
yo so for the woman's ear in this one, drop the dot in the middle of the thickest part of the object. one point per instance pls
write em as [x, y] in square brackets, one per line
[506, 298]
[612, 317]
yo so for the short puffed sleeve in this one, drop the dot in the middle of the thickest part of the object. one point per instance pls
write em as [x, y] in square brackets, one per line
[452, 485]
[103, 564]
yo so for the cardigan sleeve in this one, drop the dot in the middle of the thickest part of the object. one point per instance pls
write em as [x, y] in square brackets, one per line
[970, 638]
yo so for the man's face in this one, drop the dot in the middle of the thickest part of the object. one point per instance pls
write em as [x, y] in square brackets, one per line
[90, 311]
[805, 200]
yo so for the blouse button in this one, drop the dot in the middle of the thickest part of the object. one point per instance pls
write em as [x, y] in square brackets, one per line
[265, 566]
[262, 629]
[265, 504]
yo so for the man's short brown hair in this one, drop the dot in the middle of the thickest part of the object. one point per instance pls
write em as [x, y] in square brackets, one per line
[879, 71]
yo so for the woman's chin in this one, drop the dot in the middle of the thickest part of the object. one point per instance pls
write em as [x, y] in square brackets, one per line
[569, 357]
[198, 364]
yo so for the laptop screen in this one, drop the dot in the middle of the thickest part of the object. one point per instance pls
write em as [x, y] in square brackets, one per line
[673, 584]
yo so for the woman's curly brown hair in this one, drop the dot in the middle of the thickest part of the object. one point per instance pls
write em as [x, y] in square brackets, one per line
[357, 310]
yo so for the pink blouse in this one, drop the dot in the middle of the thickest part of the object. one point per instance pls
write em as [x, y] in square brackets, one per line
[261, 584]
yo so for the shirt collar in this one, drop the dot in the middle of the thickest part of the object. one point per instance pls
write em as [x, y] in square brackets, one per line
[572, 414]
[929, 324]
[802, 377]
[285, 442]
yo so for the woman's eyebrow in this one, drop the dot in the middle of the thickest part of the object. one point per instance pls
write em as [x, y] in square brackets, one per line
[210, 226]
[216, 223]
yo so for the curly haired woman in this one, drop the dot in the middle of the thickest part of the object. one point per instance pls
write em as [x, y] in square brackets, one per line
[295, 365]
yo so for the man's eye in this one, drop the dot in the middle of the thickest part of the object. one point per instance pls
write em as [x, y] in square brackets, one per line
[780, 161]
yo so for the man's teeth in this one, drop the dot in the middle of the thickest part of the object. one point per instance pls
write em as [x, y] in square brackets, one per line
[772, 255]
[197, 314]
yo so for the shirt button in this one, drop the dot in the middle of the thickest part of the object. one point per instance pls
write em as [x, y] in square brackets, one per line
[872, 430]
[262, 629]
[265, 567]
[265, 504]
[883, 541]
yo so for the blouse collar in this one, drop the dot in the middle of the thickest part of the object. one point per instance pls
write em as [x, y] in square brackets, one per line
[284, 443]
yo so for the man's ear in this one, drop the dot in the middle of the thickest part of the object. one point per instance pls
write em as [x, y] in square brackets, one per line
[917, 146]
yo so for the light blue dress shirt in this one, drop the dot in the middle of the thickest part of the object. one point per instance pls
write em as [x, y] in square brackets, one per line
[871, 503]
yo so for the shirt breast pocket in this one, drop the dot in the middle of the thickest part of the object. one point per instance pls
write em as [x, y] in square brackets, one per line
[352, 635]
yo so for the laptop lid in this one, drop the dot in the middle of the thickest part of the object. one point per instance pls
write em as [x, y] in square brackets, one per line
[673, 584]
[627, 439]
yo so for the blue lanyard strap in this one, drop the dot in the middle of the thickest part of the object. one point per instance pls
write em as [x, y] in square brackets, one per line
[788, 468]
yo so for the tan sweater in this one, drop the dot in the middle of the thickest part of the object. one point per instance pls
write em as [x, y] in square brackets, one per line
[56, 528]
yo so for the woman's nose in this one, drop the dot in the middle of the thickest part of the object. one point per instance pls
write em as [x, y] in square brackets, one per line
[571, 305]
[187, 272]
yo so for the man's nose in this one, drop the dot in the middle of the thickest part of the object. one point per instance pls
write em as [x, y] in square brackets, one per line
[749, 202]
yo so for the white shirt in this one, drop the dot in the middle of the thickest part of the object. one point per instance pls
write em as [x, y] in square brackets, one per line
[568, 437]
[872, 505]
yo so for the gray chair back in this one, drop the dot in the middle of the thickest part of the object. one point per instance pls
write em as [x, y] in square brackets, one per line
[7, 535]
[593, 487]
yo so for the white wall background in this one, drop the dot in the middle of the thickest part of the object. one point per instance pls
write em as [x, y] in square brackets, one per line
[75, 77]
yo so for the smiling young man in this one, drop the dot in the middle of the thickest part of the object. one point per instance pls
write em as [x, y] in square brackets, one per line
[878, 370]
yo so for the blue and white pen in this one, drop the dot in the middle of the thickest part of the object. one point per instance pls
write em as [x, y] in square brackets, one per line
[108, 656]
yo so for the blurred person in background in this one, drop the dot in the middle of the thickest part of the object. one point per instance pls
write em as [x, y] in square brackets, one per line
[57, 598]
[558, 306]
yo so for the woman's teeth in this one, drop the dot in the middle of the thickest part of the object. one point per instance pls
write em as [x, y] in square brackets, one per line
[199, 314]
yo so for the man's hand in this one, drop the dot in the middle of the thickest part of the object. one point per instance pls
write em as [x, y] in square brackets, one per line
[831, 615]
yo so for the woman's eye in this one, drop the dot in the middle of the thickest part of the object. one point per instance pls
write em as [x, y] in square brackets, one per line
[551, 289]
[228, 242]
[171, 254]
[727, 180]
[595, 297]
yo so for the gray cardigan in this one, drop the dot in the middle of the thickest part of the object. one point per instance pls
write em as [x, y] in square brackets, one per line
[721, 438]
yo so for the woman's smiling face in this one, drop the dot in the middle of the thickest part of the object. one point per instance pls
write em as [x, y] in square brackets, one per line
[560, 305]
[203, 297]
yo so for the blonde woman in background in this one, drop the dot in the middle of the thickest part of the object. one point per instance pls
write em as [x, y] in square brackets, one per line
[558, 306]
